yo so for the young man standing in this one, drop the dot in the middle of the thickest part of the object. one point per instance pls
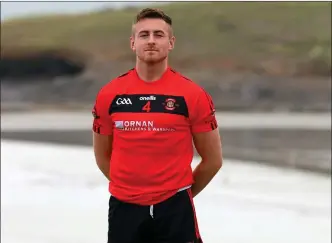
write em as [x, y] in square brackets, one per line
[144, 123]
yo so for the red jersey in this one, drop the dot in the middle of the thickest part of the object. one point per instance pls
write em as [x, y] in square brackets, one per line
[152, 126]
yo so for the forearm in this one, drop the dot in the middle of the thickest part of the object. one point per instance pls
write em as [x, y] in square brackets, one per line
[103, 164]
[103, 151]
[203, 174]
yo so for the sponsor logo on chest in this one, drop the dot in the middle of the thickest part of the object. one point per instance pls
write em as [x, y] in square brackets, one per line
[148, 126]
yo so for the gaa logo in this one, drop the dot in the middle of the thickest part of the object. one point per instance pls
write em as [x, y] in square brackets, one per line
[170, 104]
[123, 101]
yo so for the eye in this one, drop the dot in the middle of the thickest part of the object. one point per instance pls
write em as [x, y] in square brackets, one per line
[143, 34]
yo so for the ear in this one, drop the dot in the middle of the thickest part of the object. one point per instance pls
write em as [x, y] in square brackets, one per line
[171, 43]
[132, 43]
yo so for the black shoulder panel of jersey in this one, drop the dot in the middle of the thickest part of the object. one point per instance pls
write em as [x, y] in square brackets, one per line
[173, 70]
[181, 75]
[125, 74]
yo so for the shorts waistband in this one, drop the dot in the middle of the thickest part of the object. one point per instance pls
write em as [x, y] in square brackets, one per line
[184, 188]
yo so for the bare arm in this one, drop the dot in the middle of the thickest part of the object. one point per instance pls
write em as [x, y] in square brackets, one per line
[102, 146]
[102, 135]
[208, 146]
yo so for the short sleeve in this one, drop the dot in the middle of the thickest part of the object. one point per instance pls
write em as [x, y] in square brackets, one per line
[202, 116]
[102, 123]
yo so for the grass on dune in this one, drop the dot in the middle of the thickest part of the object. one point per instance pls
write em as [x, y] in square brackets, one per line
[208, 33]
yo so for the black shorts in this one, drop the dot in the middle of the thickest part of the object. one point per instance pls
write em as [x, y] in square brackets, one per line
[171, 221]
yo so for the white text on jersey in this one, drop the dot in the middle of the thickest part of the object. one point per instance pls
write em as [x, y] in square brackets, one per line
[148, 98]
[123, 101]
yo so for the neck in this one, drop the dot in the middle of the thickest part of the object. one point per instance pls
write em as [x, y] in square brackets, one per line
[151, 72]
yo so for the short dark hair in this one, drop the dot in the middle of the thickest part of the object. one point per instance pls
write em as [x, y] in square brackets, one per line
[153, 13]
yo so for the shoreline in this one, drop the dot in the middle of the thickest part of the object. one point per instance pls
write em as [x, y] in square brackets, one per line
[288, 140]
[81, 119]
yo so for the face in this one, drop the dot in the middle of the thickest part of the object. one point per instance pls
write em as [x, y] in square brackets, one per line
[152, 40]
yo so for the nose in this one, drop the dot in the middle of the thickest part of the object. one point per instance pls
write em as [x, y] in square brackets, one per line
[151, 39]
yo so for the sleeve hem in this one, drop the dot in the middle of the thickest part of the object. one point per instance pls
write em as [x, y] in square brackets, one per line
[96, 130]
[204, 129]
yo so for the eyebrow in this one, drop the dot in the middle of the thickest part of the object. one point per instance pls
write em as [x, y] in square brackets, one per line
[155, 32]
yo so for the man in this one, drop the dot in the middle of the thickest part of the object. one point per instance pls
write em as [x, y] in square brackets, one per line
[144, 123]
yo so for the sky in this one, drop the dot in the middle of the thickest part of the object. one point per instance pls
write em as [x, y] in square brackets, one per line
[11, 10]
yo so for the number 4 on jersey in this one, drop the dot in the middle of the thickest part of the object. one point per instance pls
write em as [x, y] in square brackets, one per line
[147, 107]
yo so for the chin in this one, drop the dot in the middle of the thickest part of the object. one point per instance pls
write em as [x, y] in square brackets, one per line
[154, 59]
